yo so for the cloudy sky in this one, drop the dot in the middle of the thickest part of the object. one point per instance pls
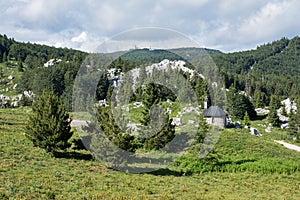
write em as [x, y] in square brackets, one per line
[227, 25]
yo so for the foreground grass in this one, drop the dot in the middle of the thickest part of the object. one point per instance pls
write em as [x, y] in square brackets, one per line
[30, 173]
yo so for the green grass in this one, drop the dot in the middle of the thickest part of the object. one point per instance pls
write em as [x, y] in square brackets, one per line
[27, 172]
[239, 151]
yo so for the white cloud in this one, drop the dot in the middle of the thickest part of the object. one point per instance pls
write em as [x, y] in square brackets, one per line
[228, 25]
[272, 21]
[80, 38]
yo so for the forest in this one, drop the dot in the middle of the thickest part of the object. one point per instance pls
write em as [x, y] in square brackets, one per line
[270, 69]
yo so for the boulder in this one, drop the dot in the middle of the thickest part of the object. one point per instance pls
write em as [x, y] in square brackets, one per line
[10, 77]
[255, 132]
[176, 121]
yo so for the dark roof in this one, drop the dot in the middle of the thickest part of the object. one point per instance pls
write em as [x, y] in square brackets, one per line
[214, 111]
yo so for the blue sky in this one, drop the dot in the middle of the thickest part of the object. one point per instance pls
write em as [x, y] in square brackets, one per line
[227, 25]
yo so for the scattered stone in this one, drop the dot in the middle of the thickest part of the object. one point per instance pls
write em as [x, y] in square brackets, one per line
[284, 126]
[176, 121]
[15, 86]
[132, 128]
[10, 77]
[52, 62]
[289, 105]
[255, 132]
[238, 125]
[137, 104]
[268, 130]
[102, 102]
[262, 111]
[191, 122]
[14, 104]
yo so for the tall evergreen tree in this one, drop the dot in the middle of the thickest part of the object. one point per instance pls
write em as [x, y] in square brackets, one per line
[20, 66]
[239, 104]
[4, 58]
[162, 138]
[150, 98]
[272, 116]
[49, 125]
[201, 90]
[294, 124]
[202, 130]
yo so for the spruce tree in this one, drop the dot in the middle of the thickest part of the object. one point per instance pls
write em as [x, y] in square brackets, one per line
[49, 125]
[202, 130]
[201, 90]
[238, 104]
[20, 66]
[150, 98]
[272, 116]
[162, 138]
[294, 124]
[4, 58]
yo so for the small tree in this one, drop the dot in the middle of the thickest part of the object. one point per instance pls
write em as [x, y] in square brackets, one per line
[294, 125]
[202, 130]
[246, 119]
[49, 124]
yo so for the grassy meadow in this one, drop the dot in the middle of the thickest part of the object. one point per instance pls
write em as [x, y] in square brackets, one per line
[27, 172]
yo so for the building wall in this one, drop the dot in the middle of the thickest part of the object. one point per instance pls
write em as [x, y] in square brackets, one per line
[217, 121]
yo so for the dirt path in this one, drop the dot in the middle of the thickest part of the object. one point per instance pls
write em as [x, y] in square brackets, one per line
[289, 146]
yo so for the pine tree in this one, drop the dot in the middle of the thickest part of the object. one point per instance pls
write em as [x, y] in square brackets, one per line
[201, 90]
[239, 104]
[259, 98]
[49, 124]
[162, 138]
[202, 130]
[272, 116]
[294, 124]
[20, 66]
[4, 58]
[150, 98]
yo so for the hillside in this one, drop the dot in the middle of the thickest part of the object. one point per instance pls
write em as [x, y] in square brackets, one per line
[271, 68]
[248, 167]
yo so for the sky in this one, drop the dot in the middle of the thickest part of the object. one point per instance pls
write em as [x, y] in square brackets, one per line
[226, 25]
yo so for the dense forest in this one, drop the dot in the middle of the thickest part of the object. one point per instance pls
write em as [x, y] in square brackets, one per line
[272, 68]
[30, 60]
[269, 69]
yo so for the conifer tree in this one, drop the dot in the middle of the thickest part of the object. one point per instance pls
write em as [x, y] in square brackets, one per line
[272, 116]
[239, 104]
[150, 98]
[294, 124]
[20, 66]
[202, 130]
[49, 125]
[201, 90]
[4, 58]
[162, 138]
